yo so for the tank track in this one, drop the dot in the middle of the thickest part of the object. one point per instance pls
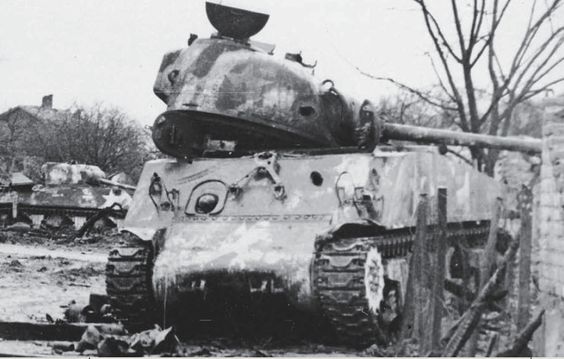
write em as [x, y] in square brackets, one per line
[45, 211]
[338, 278]
[128, 282]
[48, 210]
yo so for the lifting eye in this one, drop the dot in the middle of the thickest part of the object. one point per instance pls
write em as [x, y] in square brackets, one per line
[206, 203]
[160, 120]
[172, 76]
[307, 111]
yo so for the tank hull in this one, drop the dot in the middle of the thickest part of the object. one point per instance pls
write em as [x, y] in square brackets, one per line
[69, 195]
[270, 241]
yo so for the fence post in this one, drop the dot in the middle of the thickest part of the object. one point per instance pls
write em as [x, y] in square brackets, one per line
[412, 323]
[435, 251]
[525, 245]
[439, 246]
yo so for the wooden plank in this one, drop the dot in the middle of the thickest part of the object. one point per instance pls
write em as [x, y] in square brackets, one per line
[439, 256]
[421, 278]
[411, 322]
[487, 265]
[469, 320]
[45, 331]
[431, 282]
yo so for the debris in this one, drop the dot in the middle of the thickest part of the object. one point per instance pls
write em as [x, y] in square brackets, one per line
[373, 351]
[519, 346]
[116, 210]
[79, 285]
[49, 318]
[203, 352]
[56, 331]
[15, 266]
[90, 339]
[99, 304]
[106, 310]
[63, 261]
[74, 313]
[15, 263]
[260, 354]
[60, 347]
[109, 342]
[111, 346]
[154, 341]
[491, 345]
[97, 311]
[467, 323]
[19, 227]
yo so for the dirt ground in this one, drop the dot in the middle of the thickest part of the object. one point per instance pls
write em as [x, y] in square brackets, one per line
[39, 277]
[40, 280]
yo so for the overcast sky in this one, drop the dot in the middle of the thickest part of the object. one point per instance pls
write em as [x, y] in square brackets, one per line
[108, 51]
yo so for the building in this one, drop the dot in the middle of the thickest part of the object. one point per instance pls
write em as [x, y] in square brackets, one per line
[20, 123]
[549, 236]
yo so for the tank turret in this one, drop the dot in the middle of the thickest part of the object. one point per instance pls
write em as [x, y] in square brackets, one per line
[229, 89]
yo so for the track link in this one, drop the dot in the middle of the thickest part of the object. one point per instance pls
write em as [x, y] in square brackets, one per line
[129, 282]
[339, 275]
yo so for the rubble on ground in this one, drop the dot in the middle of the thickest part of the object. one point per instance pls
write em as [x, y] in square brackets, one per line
[148, 342]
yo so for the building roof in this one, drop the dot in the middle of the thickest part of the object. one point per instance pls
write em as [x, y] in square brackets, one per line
[39, 112]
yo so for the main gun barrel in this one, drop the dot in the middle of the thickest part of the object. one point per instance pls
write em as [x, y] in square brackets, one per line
[117, 184]
[394, 131]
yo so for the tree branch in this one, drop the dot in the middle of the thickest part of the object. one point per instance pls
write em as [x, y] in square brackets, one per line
[475, 28]
[458, 26]
[533, 93]
[441, 83]
[418, 93]
[460, 104]
[440, 34]
[540, 50]
[530, 34]
[495, 24]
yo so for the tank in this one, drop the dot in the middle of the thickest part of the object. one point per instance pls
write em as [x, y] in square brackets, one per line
[67, 197]
[282, 189]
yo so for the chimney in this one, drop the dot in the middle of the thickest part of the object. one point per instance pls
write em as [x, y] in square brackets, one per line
[47, 102]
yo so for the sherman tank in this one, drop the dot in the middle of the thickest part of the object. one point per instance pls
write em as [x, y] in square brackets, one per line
[282, 188]
[68, 197]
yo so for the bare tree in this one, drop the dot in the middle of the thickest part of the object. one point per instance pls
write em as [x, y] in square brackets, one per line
[408, 108]
[101, 136]
[529, 71]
